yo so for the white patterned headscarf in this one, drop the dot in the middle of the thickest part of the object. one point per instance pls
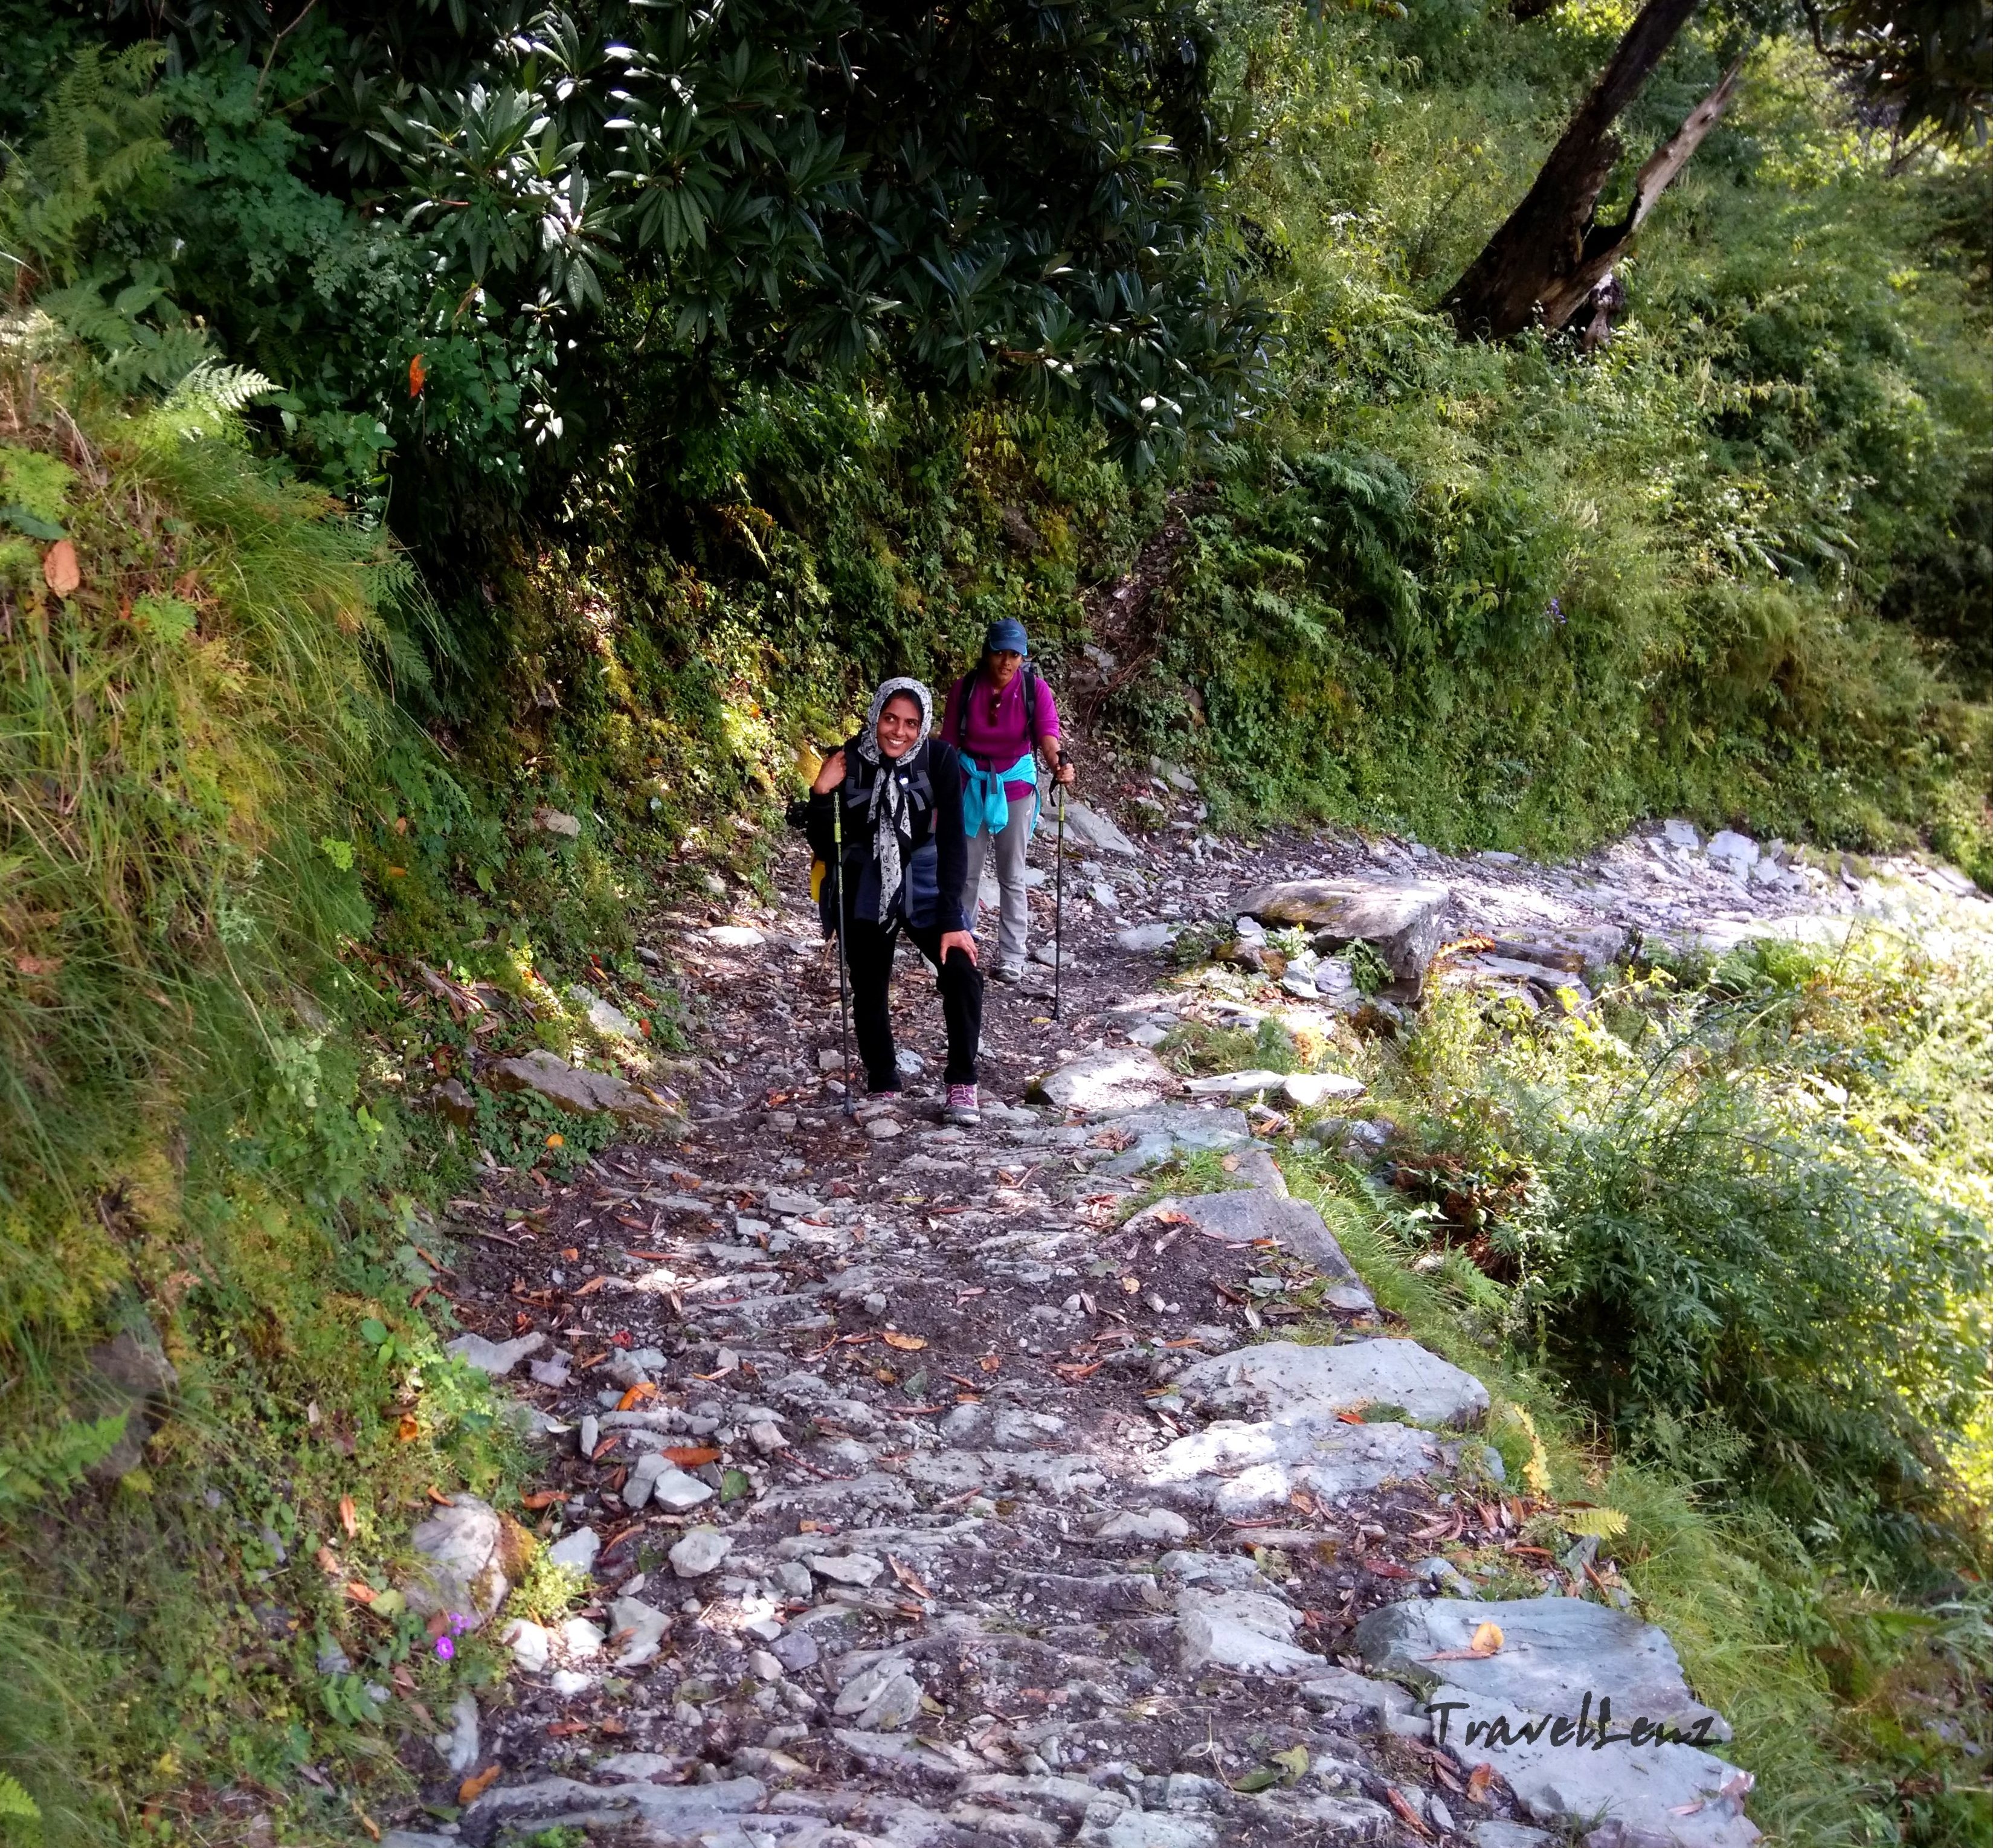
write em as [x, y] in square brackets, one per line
[887, 812]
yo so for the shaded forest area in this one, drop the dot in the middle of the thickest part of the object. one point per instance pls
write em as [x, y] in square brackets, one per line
[413, 419]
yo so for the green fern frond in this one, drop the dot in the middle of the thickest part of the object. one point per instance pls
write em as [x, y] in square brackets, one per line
[214, 389]
[15, 1805]
[1596, 1524]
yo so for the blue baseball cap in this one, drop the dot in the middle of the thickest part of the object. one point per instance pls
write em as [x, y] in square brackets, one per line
[1007, 636]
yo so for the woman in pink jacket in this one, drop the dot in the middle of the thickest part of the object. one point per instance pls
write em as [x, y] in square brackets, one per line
[1001, 718]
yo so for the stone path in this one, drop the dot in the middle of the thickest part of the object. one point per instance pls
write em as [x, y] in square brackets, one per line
[926, 1495]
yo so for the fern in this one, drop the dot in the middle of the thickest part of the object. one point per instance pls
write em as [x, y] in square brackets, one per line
[1595, 1523]
[55, 1461]
[15, 1805]
[1538, 1466]
[215, 388]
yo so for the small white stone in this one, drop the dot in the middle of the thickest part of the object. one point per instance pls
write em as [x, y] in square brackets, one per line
[700, 1552]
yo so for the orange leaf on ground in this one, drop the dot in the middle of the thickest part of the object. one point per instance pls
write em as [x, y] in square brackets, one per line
[540, 1499]
[473, 1788]
[347, 1518]
[60, 571]
[643, 1390]
[691, 1455]
[438, 1495]
[590, 1288]
[359, 1593]
[907, 1344]
[407, 1431]
[1479, 1783]
[1406, 1813]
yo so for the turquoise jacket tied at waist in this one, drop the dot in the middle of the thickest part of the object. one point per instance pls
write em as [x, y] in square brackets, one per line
[985, 810]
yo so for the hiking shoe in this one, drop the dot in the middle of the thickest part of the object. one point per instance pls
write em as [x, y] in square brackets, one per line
[961, 1106]
[1003, 970]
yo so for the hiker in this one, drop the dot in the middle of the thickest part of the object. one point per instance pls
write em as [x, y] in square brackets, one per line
[903, 832]
[998, 717]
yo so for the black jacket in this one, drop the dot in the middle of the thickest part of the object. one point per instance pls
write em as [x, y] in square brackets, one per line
[936, 821]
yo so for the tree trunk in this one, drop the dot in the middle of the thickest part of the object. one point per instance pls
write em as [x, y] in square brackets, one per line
[1537, 257]
[1602, 249]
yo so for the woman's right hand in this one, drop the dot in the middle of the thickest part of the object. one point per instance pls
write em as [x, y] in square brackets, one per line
[830, 774]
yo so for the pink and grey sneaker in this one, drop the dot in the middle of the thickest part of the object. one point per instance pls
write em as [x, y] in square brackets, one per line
[961, 1106]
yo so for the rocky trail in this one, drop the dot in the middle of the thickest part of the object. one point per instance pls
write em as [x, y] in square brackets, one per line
[929, 1496]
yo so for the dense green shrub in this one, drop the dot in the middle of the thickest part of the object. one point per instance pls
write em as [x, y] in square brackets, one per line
[1748, 1220]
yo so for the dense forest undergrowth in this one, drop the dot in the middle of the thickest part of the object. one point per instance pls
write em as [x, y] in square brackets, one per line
[341, 551]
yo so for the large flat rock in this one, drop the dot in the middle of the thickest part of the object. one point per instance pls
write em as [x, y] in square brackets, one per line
[1641, 1796]
[1090, 828]
[577, 1090]
[1555, 1649]
[1243, 1470]
[1242, 1217]
[1173, 1129]
[671, 1810]
[1286, 1378]
[1402, 919]
[1124, 1079]
[1244, 1633]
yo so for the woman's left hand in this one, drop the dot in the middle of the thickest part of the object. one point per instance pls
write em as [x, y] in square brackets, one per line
[1064, 773]
[959, 940]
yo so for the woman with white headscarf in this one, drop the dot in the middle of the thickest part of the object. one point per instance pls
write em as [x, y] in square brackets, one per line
[903, 827]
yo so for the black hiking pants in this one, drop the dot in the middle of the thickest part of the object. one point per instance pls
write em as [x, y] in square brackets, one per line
[869, 955]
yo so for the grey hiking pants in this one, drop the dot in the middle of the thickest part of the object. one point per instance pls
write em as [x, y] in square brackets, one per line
[1009, 855]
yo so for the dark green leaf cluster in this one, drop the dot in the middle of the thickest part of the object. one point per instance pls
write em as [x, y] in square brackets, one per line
[410, 217]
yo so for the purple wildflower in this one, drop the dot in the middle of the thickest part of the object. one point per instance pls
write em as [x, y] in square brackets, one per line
[446, 1649]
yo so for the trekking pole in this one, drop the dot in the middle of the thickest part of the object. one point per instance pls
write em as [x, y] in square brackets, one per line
[1060, 877]
[838, 879]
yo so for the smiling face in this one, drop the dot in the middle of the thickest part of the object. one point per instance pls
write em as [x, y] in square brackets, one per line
[900, 725]
[1004, 663]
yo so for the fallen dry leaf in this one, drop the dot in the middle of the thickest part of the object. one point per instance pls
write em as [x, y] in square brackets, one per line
[907, 1344]
[349, 1519]
[407, 1431]
[474, 1787]
[540, 1499]
[909, 1578]
[691, 1455]
[990, 1363]
[327, 1564]
[359, 1593]
[1488, 1640]
[60, 571]
[1479, 1783]
[1406, 1813]
[438, 1495]
[643, 1390]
